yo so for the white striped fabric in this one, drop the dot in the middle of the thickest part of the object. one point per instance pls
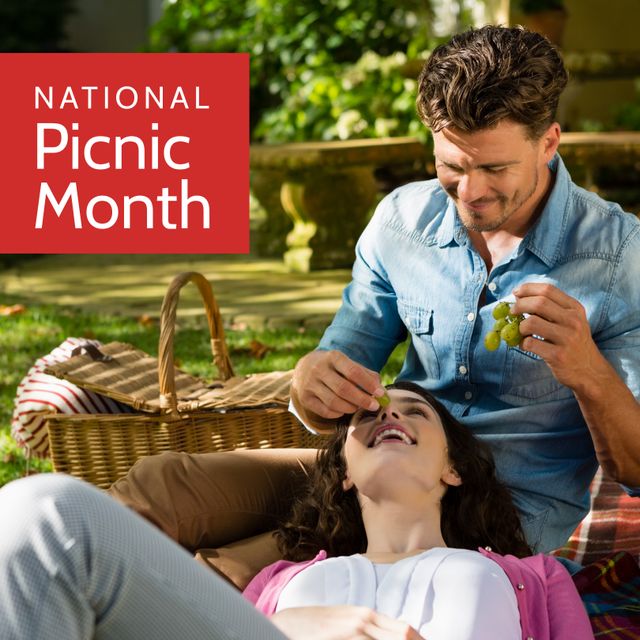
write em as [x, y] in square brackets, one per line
[39, 394]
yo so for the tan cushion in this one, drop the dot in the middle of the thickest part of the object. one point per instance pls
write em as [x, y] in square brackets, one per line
[239, 562]
[213, 499]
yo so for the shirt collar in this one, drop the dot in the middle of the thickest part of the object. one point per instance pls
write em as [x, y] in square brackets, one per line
[547, 235]
[451, 228]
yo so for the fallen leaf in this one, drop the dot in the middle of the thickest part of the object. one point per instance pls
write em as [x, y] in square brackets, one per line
[146, 320]
[258, 350]
[12, 310]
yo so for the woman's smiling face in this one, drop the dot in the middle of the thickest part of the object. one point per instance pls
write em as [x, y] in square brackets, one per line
[399, 445]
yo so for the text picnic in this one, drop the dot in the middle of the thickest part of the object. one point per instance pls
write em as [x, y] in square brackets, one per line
[118, 141]
[148, 157]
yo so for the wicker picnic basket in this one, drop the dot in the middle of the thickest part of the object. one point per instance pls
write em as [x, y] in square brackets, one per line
[174, 410]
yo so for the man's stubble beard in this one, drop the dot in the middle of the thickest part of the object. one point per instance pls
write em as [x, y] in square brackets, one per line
[508, 209]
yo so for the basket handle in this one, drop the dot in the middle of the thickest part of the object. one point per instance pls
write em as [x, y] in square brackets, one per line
[166, 368]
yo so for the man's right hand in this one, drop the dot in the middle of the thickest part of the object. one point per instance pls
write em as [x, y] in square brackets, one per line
[328, 384]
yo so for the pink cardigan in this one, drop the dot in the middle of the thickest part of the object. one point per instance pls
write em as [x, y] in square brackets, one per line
[550, 607]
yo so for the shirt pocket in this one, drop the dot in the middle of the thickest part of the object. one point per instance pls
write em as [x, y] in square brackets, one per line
[421, 325]
[527, 377]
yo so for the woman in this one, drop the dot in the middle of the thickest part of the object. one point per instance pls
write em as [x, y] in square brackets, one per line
[76, 564]
[413, 494]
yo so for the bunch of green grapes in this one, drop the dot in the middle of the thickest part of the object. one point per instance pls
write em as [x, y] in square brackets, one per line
[506, 327]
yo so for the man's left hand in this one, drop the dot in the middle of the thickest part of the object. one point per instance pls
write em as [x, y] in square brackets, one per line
[560, 320]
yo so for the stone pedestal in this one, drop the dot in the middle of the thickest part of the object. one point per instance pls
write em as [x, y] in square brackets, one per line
[270, 233]
[606, 163]
[327, 191]
[584, 153]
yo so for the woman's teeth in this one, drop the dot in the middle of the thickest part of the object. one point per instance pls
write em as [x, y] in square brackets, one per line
[392, 434]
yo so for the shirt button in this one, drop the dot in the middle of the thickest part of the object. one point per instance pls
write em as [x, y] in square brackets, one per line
[520, 586]
[471, 316]
[468, 395]
[492, 286]
[462, 369]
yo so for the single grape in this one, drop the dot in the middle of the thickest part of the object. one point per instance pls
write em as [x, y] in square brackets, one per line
[511, 334]
[501, 310]
[499, 324]
[492, 341]
[384, 400]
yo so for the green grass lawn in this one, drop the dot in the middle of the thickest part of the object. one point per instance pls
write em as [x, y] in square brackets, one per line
[27, 336]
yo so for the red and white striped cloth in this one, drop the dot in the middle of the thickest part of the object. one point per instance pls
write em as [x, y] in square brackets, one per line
[40, 393]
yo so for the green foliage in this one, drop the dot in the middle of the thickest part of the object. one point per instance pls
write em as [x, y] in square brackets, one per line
[591, 125]
[292, 39]
[368, 99]
[33, 25]
[627, 115]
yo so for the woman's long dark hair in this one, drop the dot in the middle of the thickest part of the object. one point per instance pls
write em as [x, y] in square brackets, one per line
[478, 513]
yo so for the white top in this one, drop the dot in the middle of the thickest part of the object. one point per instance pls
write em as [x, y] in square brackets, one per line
[446, 594]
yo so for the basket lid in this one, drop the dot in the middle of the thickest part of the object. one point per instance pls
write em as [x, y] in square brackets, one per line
[129, 375]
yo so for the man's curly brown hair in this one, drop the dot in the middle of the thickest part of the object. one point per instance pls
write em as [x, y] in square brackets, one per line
[486, 75]
[478, 513]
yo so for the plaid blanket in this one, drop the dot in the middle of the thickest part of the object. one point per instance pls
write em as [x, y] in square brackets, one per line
[613, 524]
[607, 543]
[610, 590]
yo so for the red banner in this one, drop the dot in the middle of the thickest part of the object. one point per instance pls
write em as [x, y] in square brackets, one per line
[124, 153]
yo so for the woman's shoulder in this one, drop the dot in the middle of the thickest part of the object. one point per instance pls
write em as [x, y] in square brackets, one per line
[541, 565]
[265, 587]
[547, 597]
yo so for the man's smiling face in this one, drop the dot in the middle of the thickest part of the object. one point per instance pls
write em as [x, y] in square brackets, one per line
[496, 177]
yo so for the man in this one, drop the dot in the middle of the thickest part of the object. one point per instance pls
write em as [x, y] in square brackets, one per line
[503, 221]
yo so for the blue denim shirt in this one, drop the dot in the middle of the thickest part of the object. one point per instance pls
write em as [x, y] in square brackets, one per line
[416, 273]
